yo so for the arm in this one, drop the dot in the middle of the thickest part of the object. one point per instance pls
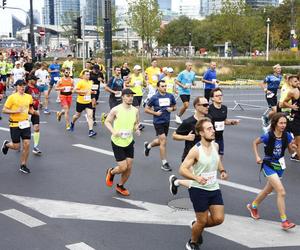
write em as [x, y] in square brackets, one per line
[232, 121]
[109, 122]
[255, 144]
[286, 101]
[150, 111]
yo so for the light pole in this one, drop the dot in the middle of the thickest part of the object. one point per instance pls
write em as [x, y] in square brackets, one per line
[268, 38]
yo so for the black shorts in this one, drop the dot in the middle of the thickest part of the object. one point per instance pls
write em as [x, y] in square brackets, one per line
[295, 127]
[185, 98]
[35, 119]
[121, 153]
[81, 107]
[220, 142]
[113, 101]
[162, 128]
[3, 78]
[272, 102]
[17, 134]
[203, 199]
[207, 94]
[137, 100]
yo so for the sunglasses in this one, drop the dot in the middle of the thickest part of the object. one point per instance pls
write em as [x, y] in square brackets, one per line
[203, 105]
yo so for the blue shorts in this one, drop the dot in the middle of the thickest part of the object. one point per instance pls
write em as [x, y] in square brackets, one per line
[43, 88]
[52, 82]
[270, 171]
[220, 142]
[203, 199]
[3, 78]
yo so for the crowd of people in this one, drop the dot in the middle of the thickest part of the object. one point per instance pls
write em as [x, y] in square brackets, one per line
[157, 92]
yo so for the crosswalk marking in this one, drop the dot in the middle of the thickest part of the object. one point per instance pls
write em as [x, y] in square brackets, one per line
[23, 218]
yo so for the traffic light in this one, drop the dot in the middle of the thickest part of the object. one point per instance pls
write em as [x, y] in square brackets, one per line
[4, 3]
[77, 27]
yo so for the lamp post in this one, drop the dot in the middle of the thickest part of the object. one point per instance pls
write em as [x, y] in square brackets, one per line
[268, 38]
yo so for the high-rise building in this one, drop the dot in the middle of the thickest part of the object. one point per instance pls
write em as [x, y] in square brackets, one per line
[164, 4]
[190, 8]
[93, 12]
[56, 12]
[261, 3]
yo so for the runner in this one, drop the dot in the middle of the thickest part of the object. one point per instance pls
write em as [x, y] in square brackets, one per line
[54, 71]
[201, 166]
[125, 71]
[65, 85]
[270, 86]
[42, 84]
[3, 71]
[69, 64]
[185, 80]
[152, 74]
[122, 121]
[18, 72]
[18, 106]
[84, 102]
[170, 81]
[276, 141]
[32, 90]
[2, 93]
[210, 80]
[160, 106]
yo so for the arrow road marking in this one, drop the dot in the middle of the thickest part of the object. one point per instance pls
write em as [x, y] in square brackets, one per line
[23, 218]
[242, 230]
[79, 246]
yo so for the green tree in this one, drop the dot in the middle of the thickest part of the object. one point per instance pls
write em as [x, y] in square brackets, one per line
[144, 18]
[67, 20]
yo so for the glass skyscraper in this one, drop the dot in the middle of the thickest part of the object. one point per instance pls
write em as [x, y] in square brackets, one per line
[261, 3]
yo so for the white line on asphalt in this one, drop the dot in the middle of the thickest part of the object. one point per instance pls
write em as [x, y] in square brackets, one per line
[23, 218]
[98, 150]
[152, 120]
[79, 246]
[239, 186]
[150, 124]
[4, 129]
[248, 117]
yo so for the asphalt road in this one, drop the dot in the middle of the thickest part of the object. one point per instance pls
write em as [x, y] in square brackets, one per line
[77, 176]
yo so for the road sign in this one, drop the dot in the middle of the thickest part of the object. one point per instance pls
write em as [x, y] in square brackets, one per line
[42, 32]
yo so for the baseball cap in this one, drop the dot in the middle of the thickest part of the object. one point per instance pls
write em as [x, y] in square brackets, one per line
[127, 92]
[170, 70]
[137, 67]
[17, 62]
[20, 82]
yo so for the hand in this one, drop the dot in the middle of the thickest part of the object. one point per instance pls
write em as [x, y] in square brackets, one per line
[294, 146]
[294, 107]
[190, 136]
[138, 132]
[259, 160]
[235, 122]
[268, 92]
[115, 134]
[224, 176]
[158, 113]
[94, 92]
[201, 180]
[170, 109]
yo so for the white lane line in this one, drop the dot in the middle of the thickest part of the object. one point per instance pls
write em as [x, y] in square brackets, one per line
[98, 150]
[4, 129]
[79, 246]
[248, 117]
[23, 218]
[239, 186]
[150, 124]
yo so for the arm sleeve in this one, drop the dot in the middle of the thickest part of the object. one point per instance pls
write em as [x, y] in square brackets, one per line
[289, 137]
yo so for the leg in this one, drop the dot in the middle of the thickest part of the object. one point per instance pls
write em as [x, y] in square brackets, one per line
[216, 216]
[125, 175]
[263, 194]
[25, 152]
[89, 113]
[162, 146]
[183, 108]
[297, 141]
[199, 225]
[46, 99]
[67, 115]
[36, 135]
[76, 117]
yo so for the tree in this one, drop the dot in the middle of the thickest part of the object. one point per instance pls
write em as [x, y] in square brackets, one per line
[67, 22]
[144, 18]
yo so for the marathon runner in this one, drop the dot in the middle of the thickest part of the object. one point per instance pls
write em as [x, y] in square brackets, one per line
[69, 64]
[210, 80]
[42, 84]
[18, 72]
[54, 71]
[152, 74]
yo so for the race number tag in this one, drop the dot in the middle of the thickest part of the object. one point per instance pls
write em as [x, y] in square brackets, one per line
[138, 83]
[24, 124]
[189, 85]
[219, 126]
[164, 102]
[270, 95]
[56, 79]
[211, 177]
[95, 87]
[170, 86]
[154, 78]
[118, 94]
[40, 83]
[67, 89]
[282, 163]
[125, 134]
[87, 98]
[214, 81]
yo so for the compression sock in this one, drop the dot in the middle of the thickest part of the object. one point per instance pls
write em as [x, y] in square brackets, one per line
[36, 138]
[283, 218]
[254, 205]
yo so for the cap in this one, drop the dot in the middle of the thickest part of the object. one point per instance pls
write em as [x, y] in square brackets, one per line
[137, 67]
[170, 70]
[17, 62]
[164, 69]
[32, 77]
[127, 92]
[20, 82]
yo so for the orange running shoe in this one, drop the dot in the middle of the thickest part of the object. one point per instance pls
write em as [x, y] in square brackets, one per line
[286, 225]
[121, 190]
[109, 177]
[253, 212]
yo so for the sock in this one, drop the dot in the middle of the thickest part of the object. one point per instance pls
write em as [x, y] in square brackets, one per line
[36, 138]
[283, 218]
[149, 146]
[164, 162]
[254, 205]
[176, 183]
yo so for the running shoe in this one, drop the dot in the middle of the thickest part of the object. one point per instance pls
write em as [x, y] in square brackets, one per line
[173, 187]
[192, 246]
[265, 121]
[72, 126]
[109, 179]
[4, 148]
[68, 127]
[58, 116]
[94, 123]
[103, 117]
[253, 212]
[24, 169]
[36, 151]
[121, 190]
[166, 167]
[286, 225]
[178, 119]
[146, 149]
[92, 133]
[294, 158]
[46, 111]
[141, 127]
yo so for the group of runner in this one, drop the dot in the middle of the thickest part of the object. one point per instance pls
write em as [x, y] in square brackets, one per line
[202, 132]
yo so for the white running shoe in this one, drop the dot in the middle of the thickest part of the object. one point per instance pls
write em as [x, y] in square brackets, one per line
[178, 119]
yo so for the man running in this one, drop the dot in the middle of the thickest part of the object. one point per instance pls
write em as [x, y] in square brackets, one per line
[185, 80]
[19, 106]
[54, 71]
[210, 80]
[69, 63]
[115, 87]
[152, 74]
[18, 72]
[122, 121]
[273, 165]
[160, 106]
[170, 81]
[201, 166]
[42, 84]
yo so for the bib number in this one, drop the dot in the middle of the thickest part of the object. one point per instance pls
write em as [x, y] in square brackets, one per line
[154, 78]
[67, 89]
[189, 85]
[24, 124]
[219, 126]
[211, 177]
[87, 98]
[137, 83]
[95, 87]
[270, 95]
[125, 134]
[56, 79]
[164, 102]
[282, 163]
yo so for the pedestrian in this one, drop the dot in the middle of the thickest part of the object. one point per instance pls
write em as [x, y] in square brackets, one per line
[210, 80]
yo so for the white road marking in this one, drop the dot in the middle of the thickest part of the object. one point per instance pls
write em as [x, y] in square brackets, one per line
[239, 186]
[4, 129]
[248, 117]
[98, 150]
[23, 218]
[79, 246]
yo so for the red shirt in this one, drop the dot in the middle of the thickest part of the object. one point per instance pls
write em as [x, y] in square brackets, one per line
[35, 93]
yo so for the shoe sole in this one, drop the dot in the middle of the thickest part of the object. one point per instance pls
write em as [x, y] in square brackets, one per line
[287, 228]
[119, 192]
[92, 135]
[251, 215]
[166, 169]
[4, 145]
[171, 183]
[106, 177]
[23, 171]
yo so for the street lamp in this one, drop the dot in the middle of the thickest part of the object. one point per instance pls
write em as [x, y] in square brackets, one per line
[268, 38]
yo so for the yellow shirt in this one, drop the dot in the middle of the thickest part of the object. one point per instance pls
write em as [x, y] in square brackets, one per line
[170, 84]
[283, 94]
[84, 85]
[68, 64]
[152, 74]
[16, 101]
[137, 81]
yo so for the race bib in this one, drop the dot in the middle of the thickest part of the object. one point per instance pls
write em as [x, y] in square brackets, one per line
[138, 83]
[170, 86]
[56, 78]
[95, 87]
[67, 89]
[24, 124]
[155, 78]
[214, 81]
[164, 102]
[219, 126]
[87, 98]
[189, 85]
[125, 134]
[270, 95]
[282, 163]
[118, 94]
[211, 177]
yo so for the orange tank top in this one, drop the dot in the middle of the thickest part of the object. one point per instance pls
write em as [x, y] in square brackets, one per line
[66, 83]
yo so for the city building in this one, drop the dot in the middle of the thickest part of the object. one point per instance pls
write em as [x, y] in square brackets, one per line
[190, 8]
[17, 25]
[261, 3]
